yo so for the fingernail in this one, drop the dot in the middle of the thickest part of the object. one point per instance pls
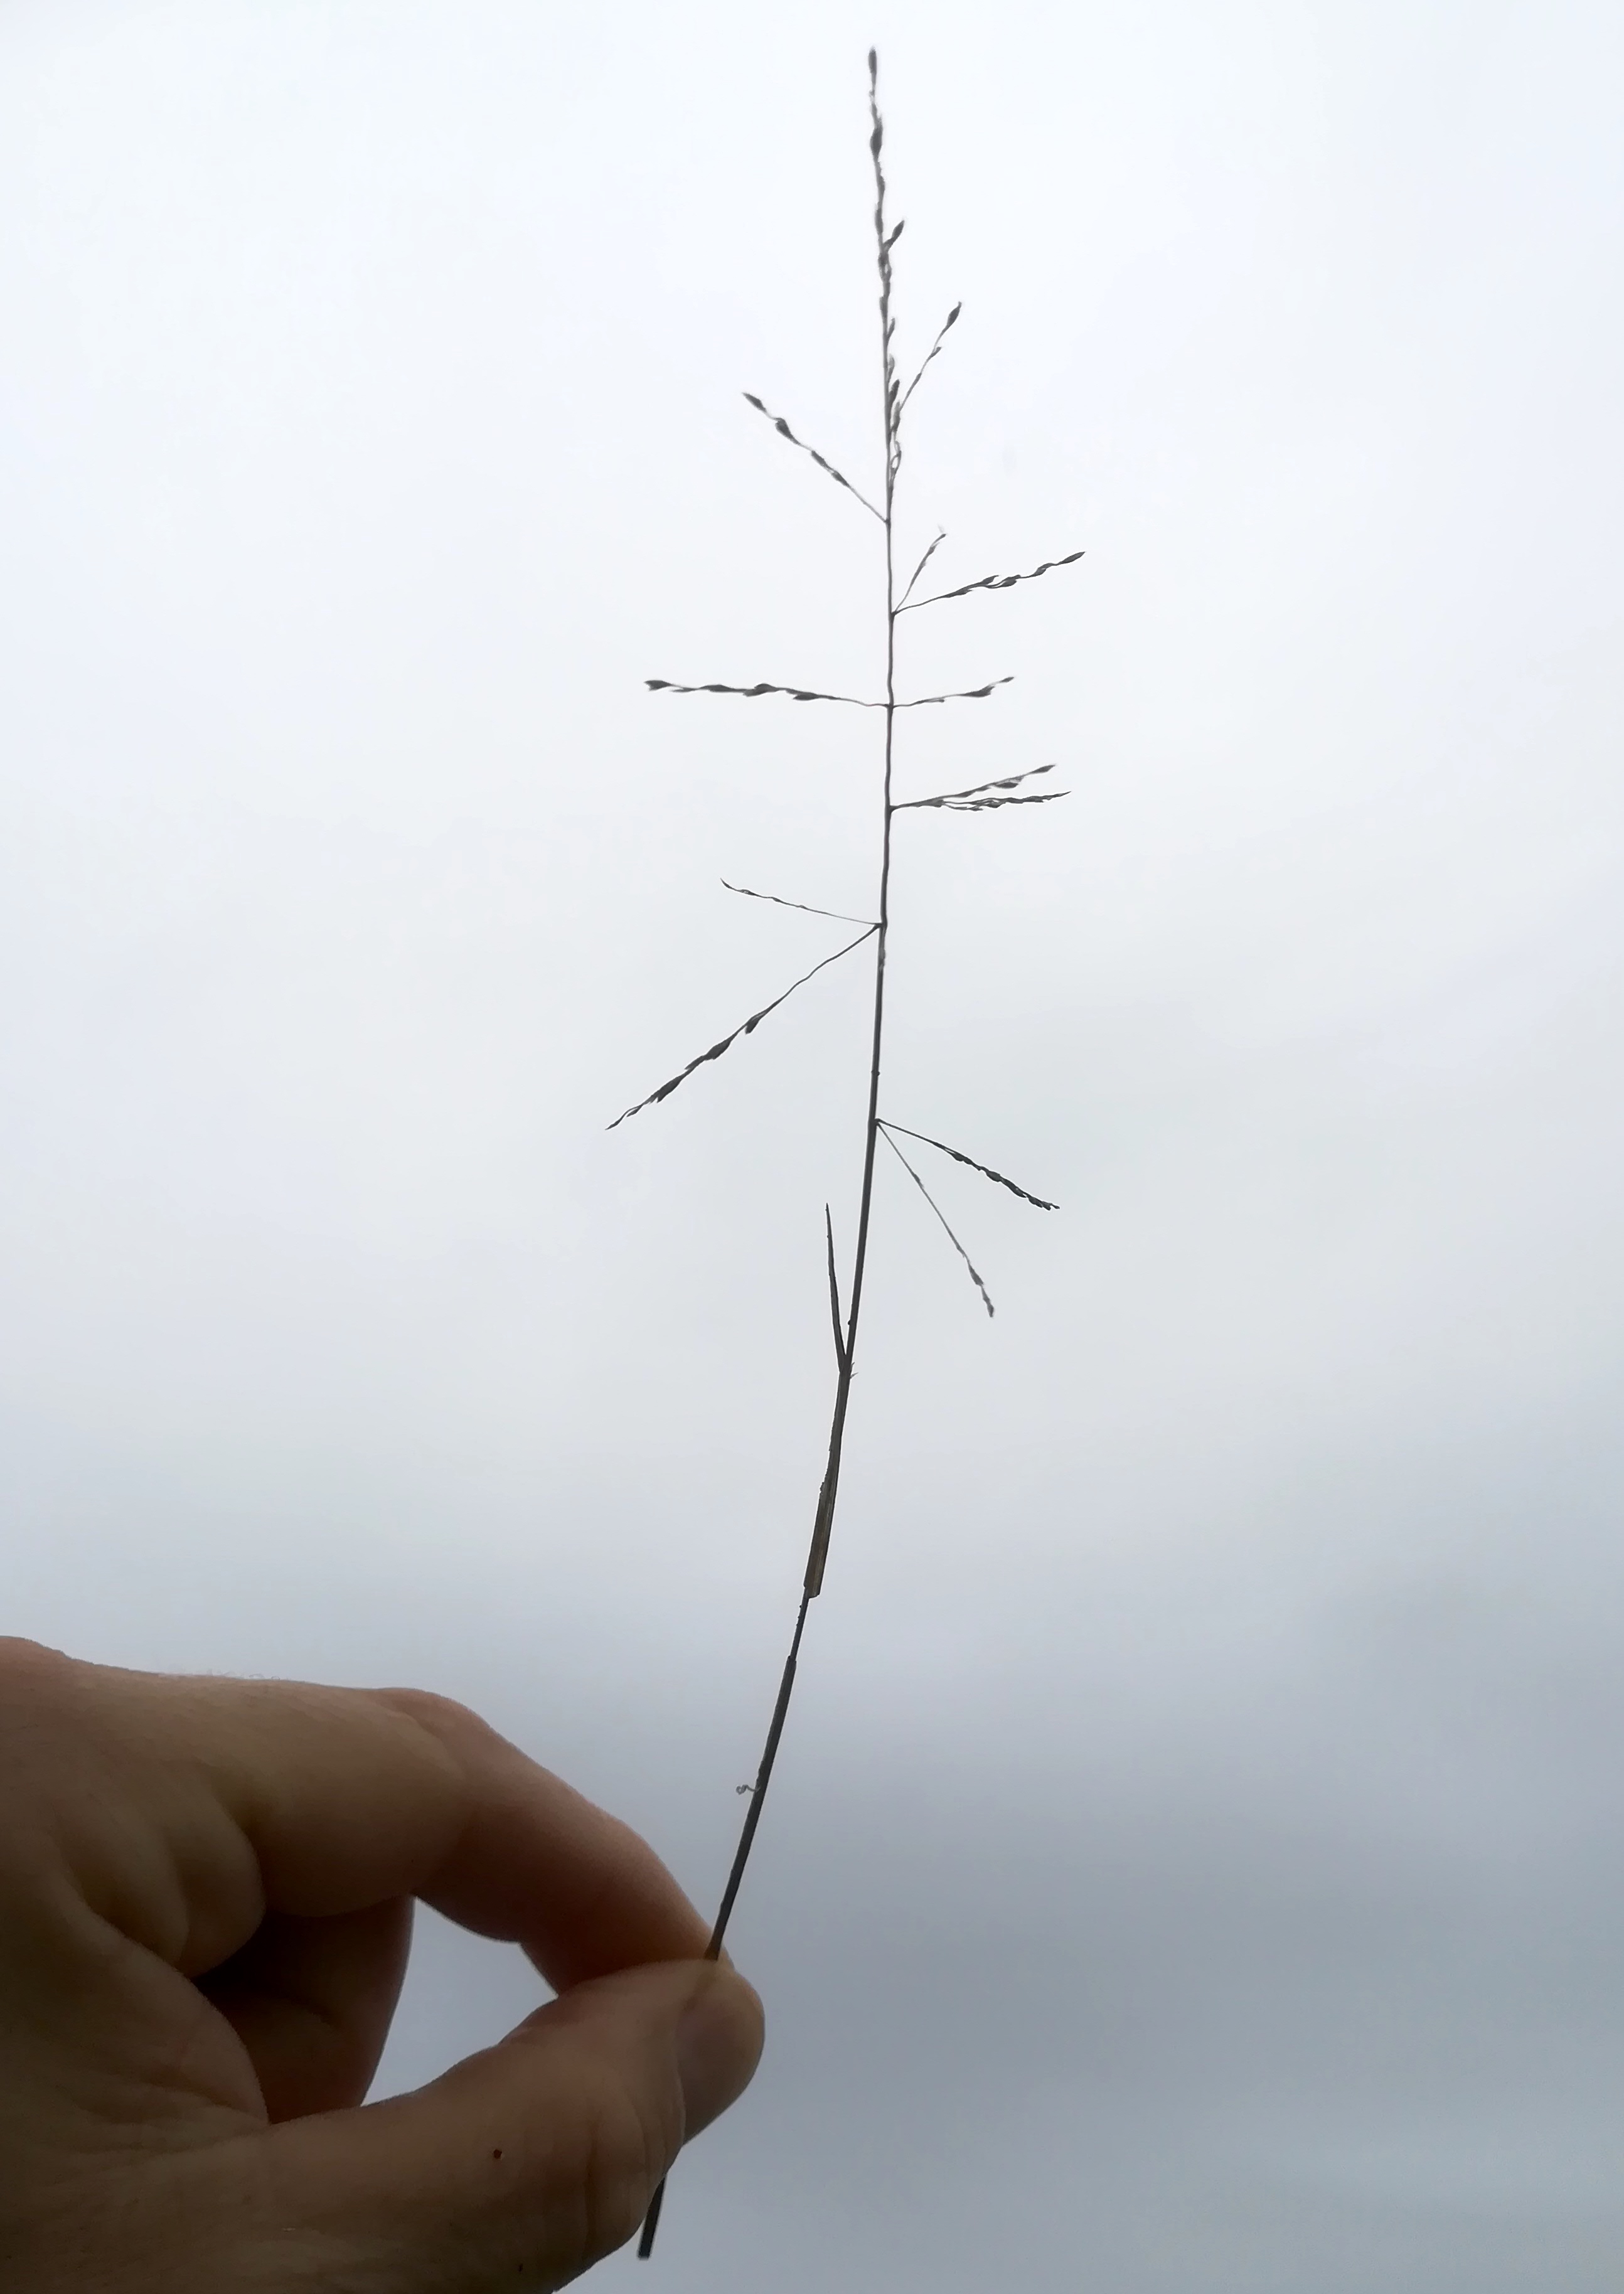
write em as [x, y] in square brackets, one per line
[718, 2041]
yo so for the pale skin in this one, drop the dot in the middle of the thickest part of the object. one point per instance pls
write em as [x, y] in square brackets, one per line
[206, 1891]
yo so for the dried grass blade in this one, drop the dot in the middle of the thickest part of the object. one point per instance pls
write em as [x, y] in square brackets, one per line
[755, 692]
[985, 1295]
[994, 582]
[839, 914]
[977, 788]
[976, 693]
[746, 1028]
[958, 1156]
[784, 431]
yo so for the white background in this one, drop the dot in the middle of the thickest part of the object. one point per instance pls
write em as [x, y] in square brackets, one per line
[1194, 1866]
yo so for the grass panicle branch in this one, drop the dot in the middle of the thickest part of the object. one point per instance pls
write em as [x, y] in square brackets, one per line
[994, 582]
[1039, 1202]
[947, 325]
[755, 692]
[784, 431]
[935, 700]
[744, 1028]
[978, 799]
[969, 1264]
[846, 1315]
[850, 700]
[919, 568]
[839, 914]
[984, 804]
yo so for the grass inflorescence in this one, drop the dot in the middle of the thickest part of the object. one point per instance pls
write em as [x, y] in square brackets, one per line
[1007, 789]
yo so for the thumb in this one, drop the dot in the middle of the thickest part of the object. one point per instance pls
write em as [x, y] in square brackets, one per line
[529, 2161]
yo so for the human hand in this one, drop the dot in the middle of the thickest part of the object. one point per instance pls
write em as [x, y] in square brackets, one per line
[205, 1892]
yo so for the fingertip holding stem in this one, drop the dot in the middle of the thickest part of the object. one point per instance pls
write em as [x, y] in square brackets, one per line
[651, 2221]
[718, 2043]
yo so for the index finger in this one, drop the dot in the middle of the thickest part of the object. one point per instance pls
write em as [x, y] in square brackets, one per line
[188, 1807]
[539, 1865]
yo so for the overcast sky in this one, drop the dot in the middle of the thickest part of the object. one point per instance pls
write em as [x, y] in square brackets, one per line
[1195, 1865]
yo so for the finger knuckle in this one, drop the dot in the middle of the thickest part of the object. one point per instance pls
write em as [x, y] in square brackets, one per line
[442, 1716]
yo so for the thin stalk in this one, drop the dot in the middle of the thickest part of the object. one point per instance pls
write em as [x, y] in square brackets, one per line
[823, 1521]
